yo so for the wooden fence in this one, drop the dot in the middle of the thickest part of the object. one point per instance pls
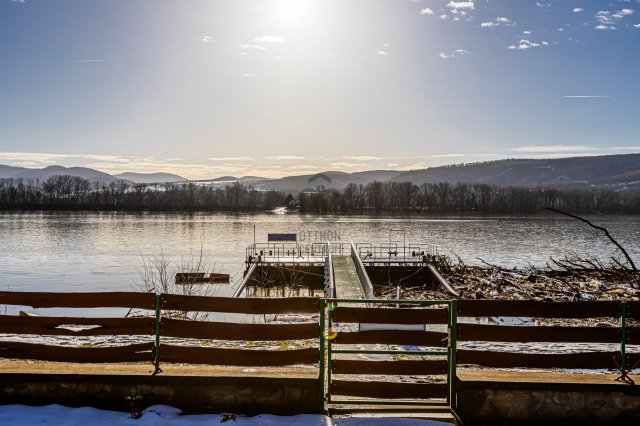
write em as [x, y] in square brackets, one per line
[156, 327]
[150, 333]
[611, 311]
[60, 326]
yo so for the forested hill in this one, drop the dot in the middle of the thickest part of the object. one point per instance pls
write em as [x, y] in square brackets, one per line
[605, 170]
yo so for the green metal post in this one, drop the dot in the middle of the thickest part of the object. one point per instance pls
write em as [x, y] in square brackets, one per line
[623, 337]
[329, 330]
[453, 341]
[322, 313]
[157, 354]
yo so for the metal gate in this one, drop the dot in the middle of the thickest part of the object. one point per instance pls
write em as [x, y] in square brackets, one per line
[388, 352]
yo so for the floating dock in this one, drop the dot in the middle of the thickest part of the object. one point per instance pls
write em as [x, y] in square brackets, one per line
[347, 268]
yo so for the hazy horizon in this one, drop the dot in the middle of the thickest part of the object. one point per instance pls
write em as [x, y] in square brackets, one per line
[290, 87]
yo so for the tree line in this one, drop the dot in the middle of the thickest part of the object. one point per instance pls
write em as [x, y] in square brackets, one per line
[72, 192]
[445, 197]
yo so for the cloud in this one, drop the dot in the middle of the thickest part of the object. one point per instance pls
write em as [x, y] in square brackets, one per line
[381, 52]
[457, 5]
[585, 96]
[241, 53]
[453, 155]
[636, 26]
[230, 159]
[499, 21]
[608, 19]
[207, 39]
[553, 148]
[283, 157]
[252, 46]
[360, 158]
[269, 39]
[84, 61]
[578, 10]
[526, 44]
[443, 17]
[246, 74]
[426, 11]
[454, 54]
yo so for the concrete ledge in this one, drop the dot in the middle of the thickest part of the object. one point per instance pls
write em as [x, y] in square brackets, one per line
[535, 401]
[246, 395]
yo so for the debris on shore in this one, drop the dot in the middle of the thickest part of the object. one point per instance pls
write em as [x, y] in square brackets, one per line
[572, 279]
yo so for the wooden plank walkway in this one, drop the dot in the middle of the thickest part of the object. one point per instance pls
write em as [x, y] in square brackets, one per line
[346, 278]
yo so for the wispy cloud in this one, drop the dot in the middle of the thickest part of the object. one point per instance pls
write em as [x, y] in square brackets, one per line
[607, 19]
[553, 148]
[283, 158]
[454, 54]
[636, 25]
[381, 52]
[361, 158]
[207, 39]
[499, 21]
[246, 74]
[578, 10]
[84, 61]
[230, 159]
[585, 96]
[525, 44]
[252, 46]
[269, 39]
[458, 5]
[426, 11]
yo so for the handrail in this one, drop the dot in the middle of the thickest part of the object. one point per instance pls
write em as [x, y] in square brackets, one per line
[365, 282]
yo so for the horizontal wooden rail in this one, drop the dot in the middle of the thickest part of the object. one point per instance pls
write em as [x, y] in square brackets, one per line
[237, 357]
[388, 390]
[131, 353]
[633, 310]
[233, 331]
[393, 337]
[290, 305]
[422, 367]
[537, 309]
[522, 334]
[79, 300]
[51, 326]
[496, 359]
[390, 315]
[633, 335]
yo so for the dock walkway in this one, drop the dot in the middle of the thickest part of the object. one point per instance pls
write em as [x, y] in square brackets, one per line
[346, 278]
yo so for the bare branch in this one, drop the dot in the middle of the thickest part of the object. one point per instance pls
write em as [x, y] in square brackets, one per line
[606, 232]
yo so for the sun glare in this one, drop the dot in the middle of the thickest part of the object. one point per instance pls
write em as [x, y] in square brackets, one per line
[293, 12]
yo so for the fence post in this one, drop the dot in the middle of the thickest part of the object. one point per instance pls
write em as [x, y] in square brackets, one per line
[157, 351]
[453, 344]
[623, 337]
[322, 365]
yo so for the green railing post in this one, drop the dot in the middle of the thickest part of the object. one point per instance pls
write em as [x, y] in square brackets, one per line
[623, 338]
[322, 313]
[329, 331]
[453, 340]
[157, 351]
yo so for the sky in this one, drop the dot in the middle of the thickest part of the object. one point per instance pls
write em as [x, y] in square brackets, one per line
[284, 87]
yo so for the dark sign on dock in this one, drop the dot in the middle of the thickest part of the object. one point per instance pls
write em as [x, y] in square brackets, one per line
[282, 237]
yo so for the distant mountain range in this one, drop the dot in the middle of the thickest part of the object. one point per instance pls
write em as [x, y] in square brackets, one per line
[607, 170]
[150, 177]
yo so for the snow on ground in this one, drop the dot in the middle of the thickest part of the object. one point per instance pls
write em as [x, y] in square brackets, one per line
[19, 415]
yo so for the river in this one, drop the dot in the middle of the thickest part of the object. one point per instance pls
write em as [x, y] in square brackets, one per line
[103, 251]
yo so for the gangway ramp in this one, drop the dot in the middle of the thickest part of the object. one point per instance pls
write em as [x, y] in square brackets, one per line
[345, 276]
